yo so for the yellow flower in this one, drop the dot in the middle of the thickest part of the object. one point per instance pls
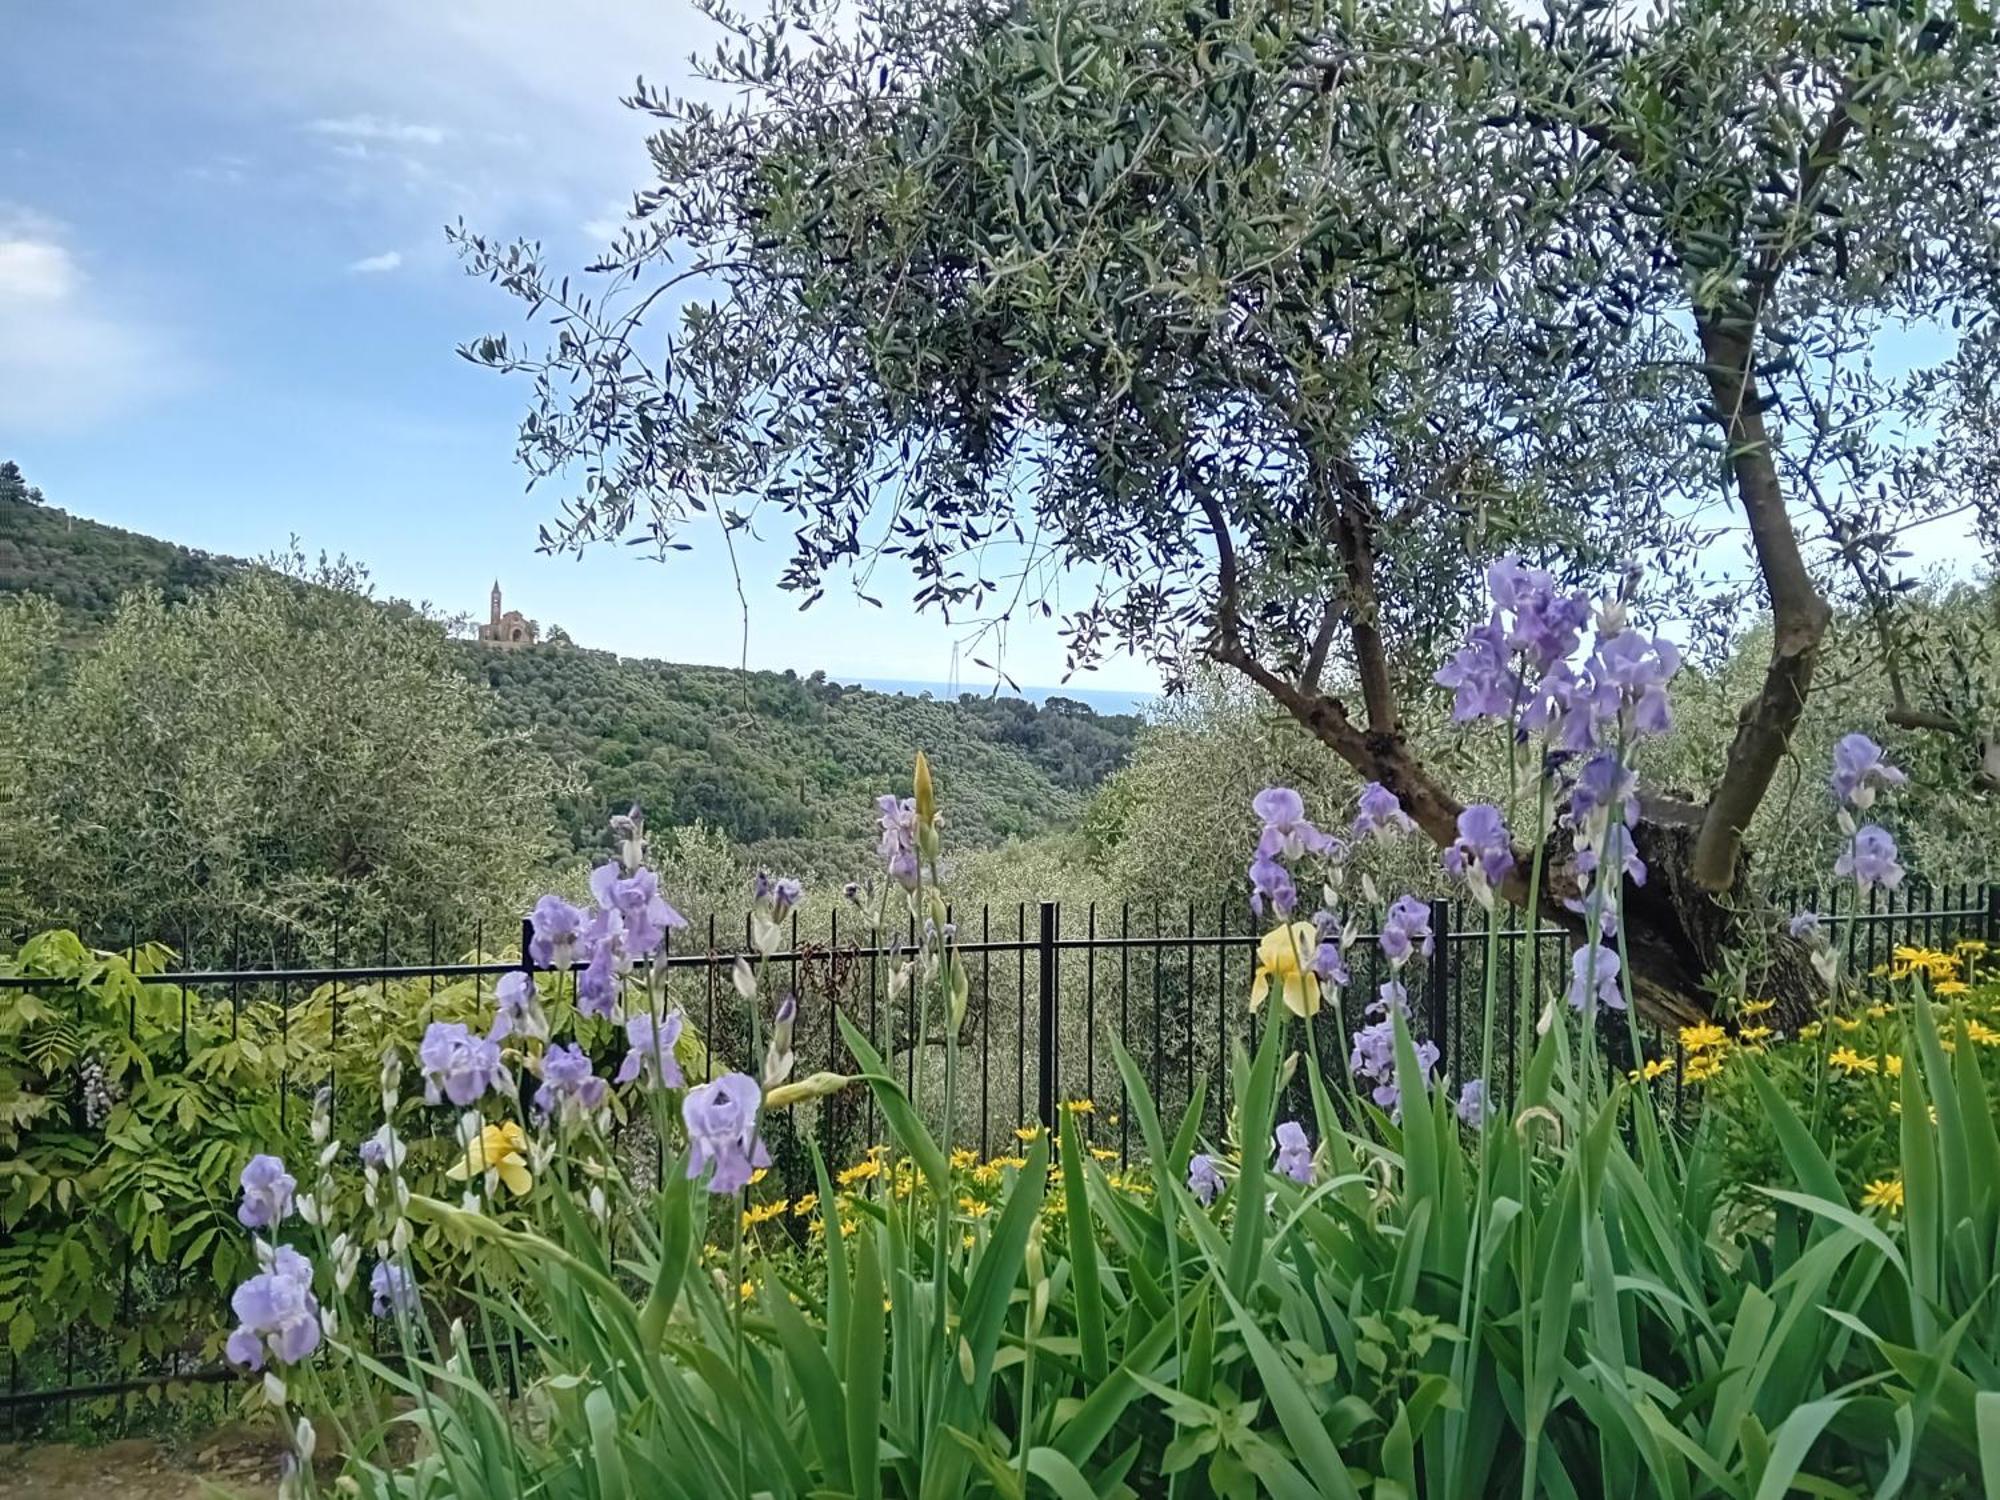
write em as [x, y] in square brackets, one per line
[1884, 1192]
[963, 1160]
[848, 1226]
[1755, 1007]
[986, 1173]
[1970, 947]
[1877, 1012]
[1702, 1067]
[806, 1204]
[1103, 1153]
[748, 1290]
[1849, 1061]
[1981, 1033]
[1951, 987]
[1281, 956]
[1027, 1132]
[763, 1213]
[1847, 1023]
[502, 1149]
[1016, 1162]
[1701, 1038]
[1754, 1034]
[968, 1240]
[1810, 1030]
[1081, 1106]
[1653, 1069]
[973, 1208]
[859, 1171]
[759, 1175]
[1892, 1064]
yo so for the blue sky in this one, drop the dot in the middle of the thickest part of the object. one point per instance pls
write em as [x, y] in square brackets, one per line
[228, 314]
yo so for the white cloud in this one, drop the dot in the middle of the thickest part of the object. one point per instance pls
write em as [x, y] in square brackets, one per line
[504, 112]
[68, 359]
[375, 129]
[388, 260]
[34, 270]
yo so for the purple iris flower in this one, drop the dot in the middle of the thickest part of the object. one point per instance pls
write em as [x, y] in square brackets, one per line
[652, 1051]
[1271, 885]
[276, 1313]
[1594, 980]
[1638, 667]
[1562, 708]
[646, 916]
[898, 848]
[556, 924]
[1373, 1061]
[1483, 684]
[1617, 852]
[516, 1007]
[597, 983]
[1483, 853]
[1406, 929]
[1390, 998]
[456, 1064]
[1295, 1155]
[1380, 814]
[1805, 926]
[267, 1193]
[1286, 833]
[721, 1120]
[1860, 769]
[1870, 857]
[1472, 1103]
[568, 1083]
[1330, 965]
[1546, 623]
[1605, 788]
[393, 1289]
[1203, 1180]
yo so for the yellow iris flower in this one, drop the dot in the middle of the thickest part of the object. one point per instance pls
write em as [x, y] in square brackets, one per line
[502, 1149]
[1282, 956]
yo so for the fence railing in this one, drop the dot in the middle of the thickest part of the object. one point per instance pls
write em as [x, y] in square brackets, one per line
[1051, 988]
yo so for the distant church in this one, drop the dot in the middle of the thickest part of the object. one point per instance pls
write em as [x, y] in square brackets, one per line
[510, 629]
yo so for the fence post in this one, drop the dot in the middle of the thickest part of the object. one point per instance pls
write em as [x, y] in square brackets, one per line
[1440, 1032]
[1051, 972]
[1992, 933]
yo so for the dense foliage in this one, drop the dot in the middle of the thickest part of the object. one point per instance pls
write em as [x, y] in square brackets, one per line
[86, 566]
[1275, 322]
[1428, 1291]
[265, 769]
[760, 756]
[766, 755]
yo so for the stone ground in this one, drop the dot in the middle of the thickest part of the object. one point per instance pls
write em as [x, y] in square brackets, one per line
[232, 1464]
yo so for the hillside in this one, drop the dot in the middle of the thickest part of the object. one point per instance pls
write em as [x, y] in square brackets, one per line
[760, 755]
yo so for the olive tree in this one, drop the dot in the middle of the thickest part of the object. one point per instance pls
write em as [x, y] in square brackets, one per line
[284, 761]
[1274, 321]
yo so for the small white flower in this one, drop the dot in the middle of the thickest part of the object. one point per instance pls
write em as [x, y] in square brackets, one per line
[309, 1209]
[399, 1237]
[274, 1389]
[469, 1127]
[305, 1440]
[743, 977]
[599, 1208]
[328, 1152]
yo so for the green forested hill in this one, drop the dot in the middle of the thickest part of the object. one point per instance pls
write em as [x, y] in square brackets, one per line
[771, 755]
[86, 566]
[760, 755]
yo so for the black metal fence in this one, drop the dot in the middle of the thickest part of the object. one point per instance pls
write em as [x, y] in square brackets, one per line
[1051, 987]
